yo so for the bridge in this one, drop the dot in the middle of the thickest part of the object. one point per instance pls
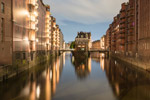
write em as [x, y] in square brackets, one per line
[100, 51]
[65, 50]
[91, 50]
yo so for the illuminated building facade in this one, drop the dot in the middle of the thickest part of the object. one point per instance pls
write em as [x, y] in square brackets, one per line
[144, 30]
[96, 45]
[83, 41]
[56, 36]
[5, 32]
[27, 32]
[103, 42]
[53, 35]
[61, 40]
[31, 32]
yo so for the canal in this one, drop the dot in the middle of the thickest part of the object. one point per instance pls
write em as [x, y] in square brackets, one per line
[69, 77]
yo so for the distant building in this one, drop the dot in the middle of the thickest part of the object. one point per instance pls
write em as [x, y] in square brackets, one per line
[67, 45]
[83, 41]
[96, 45]
[61, 40]
[103, 42]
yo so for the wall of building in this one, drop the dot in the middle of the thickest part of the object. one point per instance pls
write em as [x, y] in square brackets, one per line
[96, 45]
[103, 42]
[144, 29]
[6, 33]
[83, 41]
[61, 40]
[53, 30]
[21, 31]
[31, 32]
[133, 38]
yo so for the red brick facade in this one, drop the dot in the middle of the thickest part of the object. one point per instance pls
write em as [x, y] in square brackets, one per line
[132, 39]
[96, 45]
[144, 29]
[6, 32]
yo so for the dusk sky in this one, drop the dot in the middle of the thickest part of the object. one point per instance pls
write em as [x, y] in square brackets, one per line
[84, 15]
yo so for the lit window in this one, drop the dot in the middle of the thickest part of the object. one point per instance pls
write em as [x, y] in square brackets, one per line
[2, 7]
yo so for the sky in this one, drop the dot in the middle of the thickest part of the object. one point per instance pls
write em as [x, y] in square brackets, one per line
[84, 15]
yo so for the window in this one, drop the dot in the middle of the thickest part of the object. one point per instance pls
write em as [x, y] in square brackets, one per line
[24, 56]
[2, 29]
[2, 7]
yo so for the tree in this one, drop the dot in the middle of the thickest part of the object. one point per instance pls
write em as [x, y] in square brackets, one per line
[72, 46]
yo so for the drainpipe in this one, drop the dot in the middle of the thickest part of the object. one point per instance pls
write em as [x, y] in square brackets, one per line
[12, 28]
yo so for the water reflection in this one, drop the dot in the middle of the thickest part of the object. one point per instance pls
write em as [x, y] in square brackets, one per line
[127, 81]
[109, 79]
[100, 58]
[39, 82]
[82, 64]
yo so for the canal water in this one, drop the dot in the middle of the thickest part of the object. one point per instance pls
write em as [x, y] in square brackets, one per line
[79, 77]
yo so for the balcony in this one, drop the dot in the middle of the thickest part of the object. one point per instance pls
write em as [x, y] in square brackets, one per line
[121, 36]
[122, 10]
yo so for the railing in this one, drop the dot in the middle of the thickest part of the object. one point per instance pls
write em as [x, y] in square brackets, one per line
[5, 70]
[98, 50]
[67, 49]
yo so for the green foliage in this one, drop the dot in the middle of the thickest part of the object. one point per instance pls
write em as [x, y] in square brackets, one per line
[72, 46]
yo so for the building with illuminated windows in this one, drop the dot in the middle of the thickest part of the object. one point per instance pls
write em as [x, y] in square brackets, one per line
[83, 41]
[6, 44]
[31, 30]
[103, 42]
[28, 33]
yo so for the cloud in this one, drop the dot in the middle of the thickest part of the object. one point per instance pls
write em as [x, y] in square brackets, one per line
[84, 11]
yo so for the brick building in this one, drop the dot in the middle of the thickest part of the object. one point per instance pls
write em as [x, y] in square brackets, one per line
[122, 29]
[61, 40]
[27, 31]
[133, 37]
[144, 29]
[6, 32]
[123, 32]
[83, 41]
[103, 42]
[96, 45]
[114, 33]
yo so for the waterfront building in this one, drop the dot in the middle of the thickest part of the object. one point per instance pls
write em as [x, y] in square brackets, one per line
[6, 44]
[83, 41]
[108, 39]
[114, 33]
[131, 26]
[61, 40]
[144, 29]
[122, 32]
[28, 33]
[57, 37]
[103, 42]
[53, 35]
[121, 40]
[96, 45]
[133, 38]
